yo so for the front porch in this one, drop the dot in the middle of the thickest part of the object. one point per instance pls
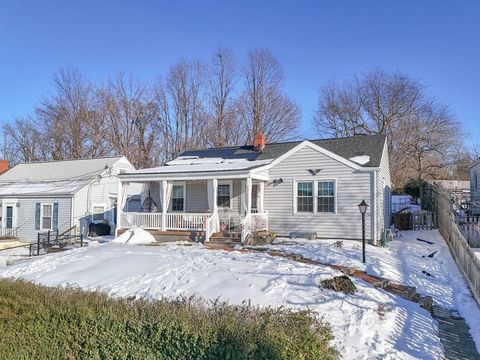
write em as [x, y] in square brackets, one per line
[231, 205]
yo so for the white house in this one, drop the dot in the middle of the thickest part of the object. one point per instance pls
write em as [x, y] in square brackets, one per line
[42, 196]
[289, 187]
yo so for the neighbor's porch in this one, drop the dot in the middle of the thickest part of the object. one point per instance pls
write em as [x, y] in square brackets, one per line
[208, 206]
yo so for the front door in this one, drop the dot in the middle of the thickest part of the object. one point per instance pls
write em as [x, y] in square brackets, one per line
[9, 217]
[254, 198]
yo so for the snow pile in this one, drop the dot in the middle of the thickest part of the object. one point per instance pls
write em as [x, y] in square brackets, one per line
[360, 159]
[477, 252]
[135, 236]
[370, 324]
[405, 261]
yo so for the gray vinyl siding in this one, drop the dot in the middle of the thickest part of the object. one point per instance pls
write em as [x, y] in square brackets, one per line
[384, 189]
[351, 188]
[197, 201]
[475, 186]
[26, 216]
[197, 197]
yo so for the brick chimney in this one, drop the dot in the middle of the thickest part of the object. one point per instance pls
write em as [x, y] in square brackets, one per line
[4, 165]
[259, 141]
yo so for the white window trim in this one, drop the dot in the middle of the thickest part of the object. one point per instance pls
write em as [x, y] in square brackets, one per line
[184, 185]
[12, 203]
[104, 212]
[315, 196]
[334, 196]
[226, 182]
[41, 217]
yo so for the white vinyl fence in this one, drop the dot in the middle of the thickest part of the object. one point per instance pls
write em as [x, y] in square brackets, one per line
[465, 258]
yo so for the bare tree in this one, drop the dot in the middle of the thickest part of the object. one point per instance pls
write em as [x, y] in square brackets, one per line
[421, 132]
[196, 106]
[69, 119]
[23, 142]
[222, 79]
[184, 88]
[263, 107]
[131, 116]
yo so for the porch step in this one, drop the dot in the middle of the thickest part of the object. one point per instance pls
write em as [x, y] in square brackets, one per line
[219, 244]
[225, 239]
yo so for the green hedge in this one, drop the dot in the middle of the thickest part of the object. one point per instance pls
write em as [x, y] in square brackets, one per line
[52, 323]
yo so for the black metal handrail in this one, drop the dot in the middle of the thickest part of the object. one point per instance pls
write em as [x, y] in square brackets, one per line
[50, 239]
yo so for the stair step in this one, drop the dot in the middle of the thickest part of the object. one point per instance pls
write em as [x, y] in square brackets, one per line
[225, 240]
[220, 245]
[227, 234]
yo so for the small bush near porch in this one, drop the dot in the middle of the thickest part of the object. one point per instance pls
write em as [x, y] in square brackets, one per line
[40, 322]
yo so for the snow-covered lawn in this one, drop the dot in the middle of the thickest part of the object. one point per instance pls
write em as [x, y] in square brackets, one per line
[369, 324]
[405, 261]
[13, 254]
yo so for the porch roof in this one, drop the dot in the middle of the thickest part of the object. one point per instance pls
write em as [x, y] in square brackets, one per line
[193, 168]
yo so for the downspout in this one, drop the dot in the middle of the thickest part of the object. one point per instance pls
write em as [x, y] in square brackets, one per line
[72, 215]
[374, 210]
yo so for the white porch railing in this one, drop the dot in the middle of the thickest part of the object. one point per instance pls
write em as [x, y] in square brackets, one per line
[212, 224]
[253, 223]
[142, 220]
[186, 221]
[8, 233]
[173, 221]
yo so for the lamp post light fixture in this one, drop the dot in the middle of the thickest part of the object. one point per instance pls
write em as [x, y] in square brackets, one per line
[363, 209]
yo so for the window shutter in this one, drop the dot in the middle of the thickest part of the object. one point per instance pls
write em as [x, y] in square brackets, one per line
[37, 216]
[55, 216]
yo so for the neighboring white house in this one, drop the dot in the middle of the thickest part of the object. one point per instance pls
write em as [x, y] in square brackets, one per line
[42, 196]
[290, 187]
[475, 182]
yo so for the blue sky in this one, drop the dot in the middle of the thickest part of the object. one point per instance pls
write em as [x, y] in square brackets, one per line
[315, 41]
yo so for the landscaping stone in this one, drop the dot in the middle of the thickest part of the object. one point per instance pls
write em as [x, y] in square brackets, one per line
[426, 303]
[340, 284]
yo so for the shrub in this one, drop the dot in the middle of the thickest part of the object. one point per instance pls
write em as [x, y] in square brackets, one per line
[39, 322]
[412, 188]
[403, 221]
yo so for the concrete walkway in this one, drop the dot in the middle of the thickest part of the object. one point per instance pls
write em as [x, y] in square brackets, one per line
[455, 335]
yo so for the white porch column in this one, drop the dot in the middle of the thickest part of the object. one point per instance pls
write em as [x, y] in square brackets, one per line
[261, 189]
[215, 187]
[118, 220]
[212, 186]
[164, 204]
[249, 195]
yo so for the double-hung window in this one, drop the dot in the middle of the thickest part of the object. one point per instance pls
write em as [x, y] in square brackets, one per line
[224, 194]
[178, 198]
[305, 196]
[315, 196]
[325, 197]
[47, 216]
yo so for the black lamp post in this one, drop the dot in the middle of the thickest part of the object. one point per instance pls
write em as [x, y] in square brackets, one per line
[363, 209]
